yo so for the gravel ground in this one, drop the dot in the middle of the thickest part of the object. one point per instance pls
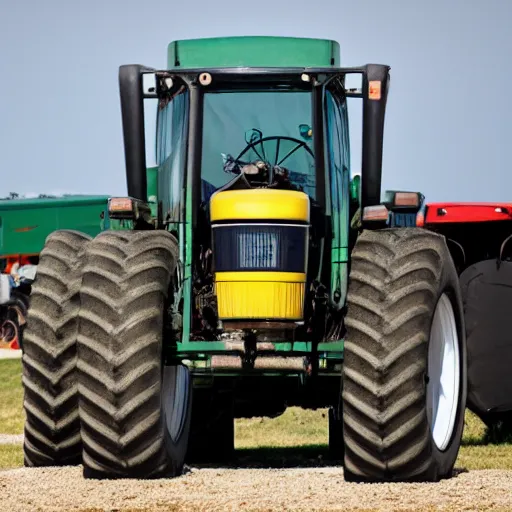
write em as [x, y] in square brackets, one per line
[212, 490]
[64, 489]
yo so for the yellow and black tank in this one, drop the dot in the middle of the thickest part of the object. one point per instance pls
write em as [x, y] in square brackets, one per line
[260, 251]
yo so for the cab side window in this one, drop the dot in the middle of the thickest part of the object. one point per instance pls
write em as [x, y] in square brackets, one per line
[171, 146]
[339, 178]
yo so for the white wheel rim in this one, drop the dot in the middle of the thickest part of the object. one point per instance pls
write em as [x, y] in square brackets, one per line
[443, 385]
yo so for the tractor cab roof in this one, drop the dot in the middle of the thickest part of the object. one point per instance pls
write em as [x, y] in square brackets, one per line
[253, 52]
[446, 213]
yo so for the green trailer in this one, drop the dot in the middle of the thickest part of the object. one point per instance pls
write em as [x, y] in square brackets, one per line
[256, 275]
[24, 226]
[25, 223]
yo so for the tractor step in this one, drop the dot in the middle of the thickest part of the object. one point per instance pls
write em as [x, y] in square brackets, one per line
[261, 363]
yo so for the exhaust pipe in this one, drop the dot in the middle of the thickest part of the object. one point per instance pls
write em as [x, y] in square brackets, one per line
[132, 113]
[375, 93]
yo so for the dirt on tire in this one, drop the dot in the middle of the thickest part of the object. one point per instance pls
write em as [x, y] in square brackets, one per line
[221, 489]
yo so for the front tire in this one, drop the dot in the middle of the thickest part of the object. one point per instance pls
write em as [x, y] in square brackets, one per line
[406, 341]
[134, 412]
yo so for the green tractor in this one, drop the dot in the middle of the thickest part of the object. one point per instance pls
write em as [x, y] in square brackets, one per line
[259, 277]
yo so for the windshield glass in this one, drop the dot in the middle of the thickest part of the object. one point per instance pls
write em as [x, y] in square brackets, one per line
[241, 128]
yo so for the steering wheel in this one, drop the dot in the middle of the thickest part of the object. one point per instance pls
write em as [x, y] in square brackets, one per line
[277, 161]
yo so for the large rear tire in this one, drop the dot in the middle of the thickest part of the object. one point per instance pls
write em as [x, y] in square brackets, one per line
[52, 427]
[134, 412]
[404, 377]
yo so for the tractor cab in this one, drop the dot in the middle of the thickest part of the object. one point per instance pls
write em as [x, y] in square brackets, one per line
[254, 180]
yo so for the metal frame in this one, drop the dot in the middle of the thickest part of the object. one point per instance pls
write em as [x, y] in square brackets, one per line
[374, 105]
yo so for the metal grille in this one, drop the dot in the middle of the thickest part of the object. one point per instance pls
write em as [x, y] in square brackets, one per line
[258, 250]
[260, 247]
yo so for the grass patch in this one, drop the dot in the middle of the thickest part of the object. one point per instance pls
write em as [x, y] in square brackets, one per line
[295, 438]
[11, 397]
[11, 456]
[296, 427]
[491, 456]
[300, 437]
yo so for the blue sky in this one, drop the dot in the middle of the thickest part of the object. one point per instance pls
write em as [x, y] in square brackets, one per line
[449, 117]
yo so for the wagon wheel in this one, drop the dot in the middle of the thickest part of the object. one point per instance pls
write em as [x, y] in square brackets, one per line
[14, 321]
[10, 330]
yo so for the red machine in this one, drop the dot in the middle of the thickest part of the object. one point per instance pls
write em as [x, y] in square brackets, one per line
[480, 239]
[447, 213]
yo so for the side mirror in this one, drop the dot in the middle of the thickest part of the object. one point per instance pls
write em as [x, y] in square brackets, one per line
[253, 135]
[305, 131]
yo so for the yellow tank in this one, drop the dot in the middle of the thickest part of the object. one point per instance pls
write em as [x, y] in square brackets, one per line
[260, 247]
